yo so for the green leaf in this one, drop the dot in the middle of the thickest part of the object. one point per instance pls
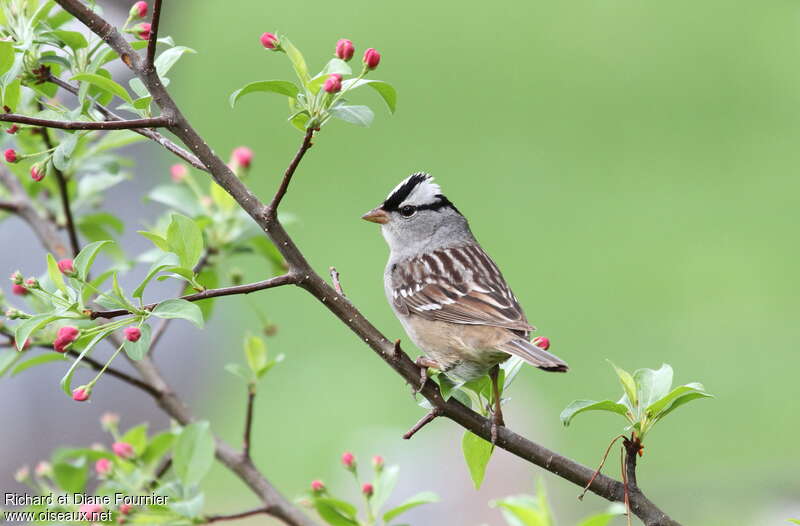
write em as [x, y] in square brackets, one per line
[83, 261]
[256, 353]
[136, 437]
[603, 519]
[8, 357]
[580, 406]
[64, 151]
[73, 39]
[66, 380]
[136, 350]
[477, 453]
[343, 507]
[6, 56]
[159, 241]
[681, 400]
[652, 385]
[71, 478]
[168, 260]
[178, 197]
[358, 115]
[239, 370]
[24, 330]
[178, 308]
[384, 89]
[168, 58]
[524, 510]
[158, 446]
[331, 514]
[419, 499]
[298, 62]
[794, 521]
[628, 383]
[384, 486]
[660, 405]
[193, 453]
[104, 84]
[281, 87]
[55, 274]
[39, 360]
[185, 239]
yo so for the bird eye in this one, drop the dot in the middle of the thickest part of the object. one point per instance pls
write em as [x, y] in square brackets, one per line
[407, 211]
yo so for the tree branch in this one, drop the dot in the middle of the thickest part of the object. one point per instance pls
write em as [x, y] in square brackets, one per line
[272, 208]
[64, 193]
[235, 516]
[23, 207]
[151, 44]
[130, 124]
[266, 217]
[144, 132]
[277, 281]
[248, 420]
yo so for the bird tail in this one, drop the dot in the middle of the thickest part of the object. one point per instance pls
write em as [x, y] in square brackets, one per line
[534, 355]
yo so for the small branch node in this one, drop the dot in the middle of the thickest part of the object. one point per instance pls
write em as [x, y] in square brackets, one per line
[424, 421]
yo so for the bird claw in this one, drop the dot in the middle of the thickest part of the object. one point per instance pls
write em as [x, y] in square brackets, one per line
[423, 364]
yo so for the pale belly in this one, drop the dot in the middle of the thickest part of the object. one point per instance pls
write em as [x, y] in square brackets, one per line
[464, 351]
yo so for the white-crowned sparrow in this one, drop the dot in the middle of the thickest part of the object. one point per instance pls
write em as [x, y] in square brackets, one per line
[447, 292]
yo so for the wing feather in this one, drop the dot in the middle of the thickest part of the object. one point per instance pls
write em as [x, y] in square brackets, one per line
[457, 285]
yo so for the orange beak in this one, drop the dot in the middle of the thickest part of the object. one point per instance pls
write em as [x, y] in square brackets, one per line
[376, 215]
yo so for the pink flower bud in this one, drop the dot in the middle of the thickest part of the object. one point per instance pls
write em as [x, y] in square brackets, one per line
[81, 394]
[22, 474]
[142, 30]
[345, 49]
[125, 508]
[270, 41]
[541, 342]
[377, 462]
[317, 486]
[43, 469]
[32, 283]
[178, 172]
[139, 10]
[242, 156]
[13, 129]
[64, 337]
[17, 278]
[90, 512]
[103, 467]
[37, 174]
[123, 450]
[372, 58]
[19, 290]
[367, 489]
[132, 334]
[109, 420]
[11, 155]
[66, 266]
[349, 460]
[333, 84]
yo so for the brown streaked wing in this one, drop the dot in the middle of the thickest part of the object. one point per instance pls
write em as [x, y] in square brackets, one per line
[457, 285]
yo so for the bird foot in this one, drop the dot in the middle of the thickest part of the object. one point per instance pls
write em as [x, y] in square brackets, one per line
[423, 363]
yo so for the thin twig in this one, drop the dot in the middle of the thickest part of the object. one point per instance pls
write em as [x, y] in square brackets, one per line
[248, 420]
[151, 44]
[272, 208]
[129, 124]
[145, 132]
[63, 191]
[600, 467]
[116, 373]
[424, 421]
[234, 516]
[278, 281]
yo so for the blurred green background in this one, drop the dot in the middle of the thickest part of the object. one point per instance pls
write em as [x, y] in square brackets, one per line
[632, 168]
